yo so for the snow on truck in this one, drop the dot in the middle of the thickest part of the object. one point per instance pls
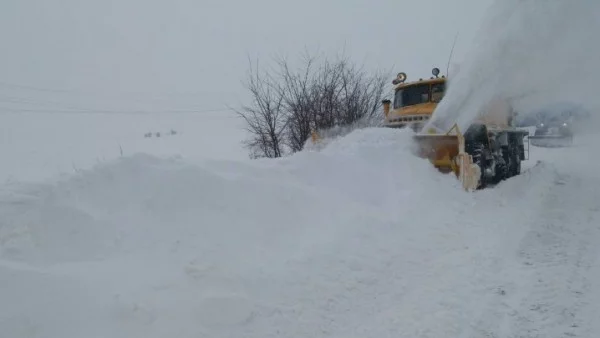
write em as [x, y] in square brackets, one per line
[489, 151]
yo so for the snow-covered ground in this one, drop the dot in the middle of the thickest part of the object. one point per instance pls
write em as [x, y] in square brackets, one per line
[39, 146]
[361, 239]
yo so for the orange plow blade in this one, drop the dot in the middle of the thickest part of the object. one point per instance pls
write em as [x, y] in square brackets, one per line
[447, 153]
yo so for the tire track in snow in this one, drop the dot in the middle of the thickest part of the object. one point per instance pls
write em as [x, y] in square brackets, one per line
[538, 280]
[556, 256]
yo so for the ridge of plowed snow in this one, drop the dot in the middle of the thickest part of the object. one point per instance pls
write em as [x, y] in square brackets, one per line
[361, 239]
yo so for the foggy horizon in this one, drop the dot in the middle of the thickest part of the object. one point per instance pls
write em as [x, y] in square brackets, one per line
[151, 55]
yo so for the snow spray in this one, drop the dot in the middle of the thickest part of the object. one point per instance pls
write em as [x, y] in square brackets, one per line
[530, 52]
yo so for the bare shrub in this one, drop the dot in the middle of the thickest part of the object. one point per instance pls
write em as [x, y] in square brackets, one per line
[265, 117]
[288, 105]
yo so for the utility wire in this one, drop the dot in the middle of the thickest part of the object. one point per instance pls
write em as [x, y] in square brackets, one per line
[58, 107]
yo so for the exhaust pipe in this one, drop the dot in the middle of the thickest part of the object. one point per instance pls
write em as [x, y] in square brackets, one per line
[386, 107]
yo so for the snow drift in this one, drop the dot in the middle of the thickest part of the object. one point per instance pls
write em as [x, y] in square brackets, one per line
[360, 239]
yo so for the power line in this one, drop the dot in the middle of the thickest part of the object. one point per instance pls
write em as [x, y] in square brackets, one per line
[87, 93]
[18, 103]
[113, 112]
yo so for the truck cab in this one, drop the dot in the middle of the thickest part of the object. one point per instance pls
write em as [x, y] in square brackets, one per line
[413, 102]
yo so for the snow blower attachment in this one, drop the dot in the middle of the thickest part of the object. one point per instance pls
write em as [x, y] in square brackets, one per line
[447, 153]
[484, 155]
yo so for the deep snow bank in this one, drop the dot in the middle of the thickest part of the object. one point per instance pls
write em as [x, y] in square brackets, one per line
[361, 239]
[126, 204]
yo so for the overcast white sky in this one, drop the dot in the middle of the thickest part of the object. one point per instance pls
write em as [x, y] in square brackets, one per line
[178, 54]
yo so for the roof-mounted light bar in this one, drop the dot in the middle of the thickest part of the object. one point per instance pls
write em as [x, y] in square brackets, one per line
[400, 78]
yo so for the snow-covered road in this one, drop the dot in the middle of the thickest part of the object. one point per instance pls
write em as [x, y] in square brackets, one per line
[359, 240]
[555, 293]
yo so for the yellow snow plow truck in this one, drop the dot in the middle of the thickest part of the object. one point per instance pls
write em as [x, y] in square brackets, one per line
[414, 102]
[489, 151]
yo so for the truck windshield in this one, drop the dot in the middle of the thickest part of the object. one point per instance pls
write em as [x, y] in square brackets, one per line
[411, 95]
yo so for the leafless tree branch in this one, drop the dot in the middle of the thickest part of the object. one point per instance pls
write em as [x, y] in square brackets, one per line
[288, 105]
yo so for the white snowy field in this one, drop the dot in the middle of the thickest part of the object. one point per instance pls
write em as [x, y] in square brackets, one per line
[361, 239]
[39, 146]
